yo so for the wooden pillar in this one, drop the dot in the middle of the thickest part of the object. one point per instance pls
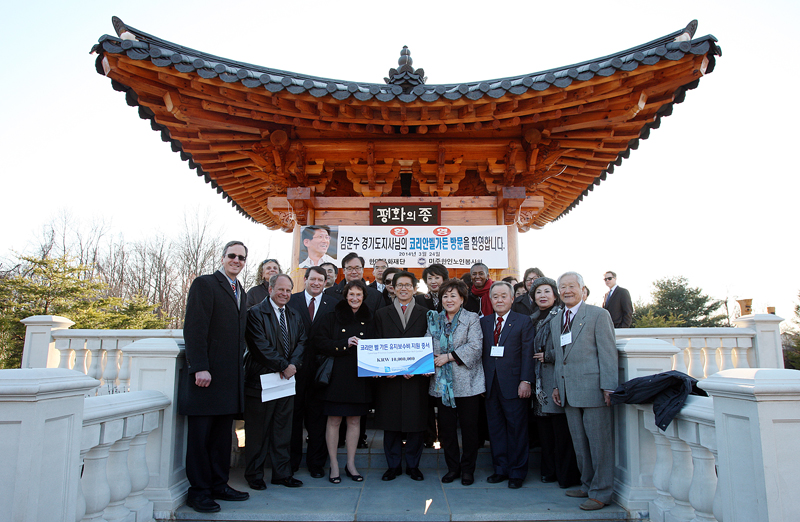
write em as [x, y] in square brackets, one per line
[296, 273]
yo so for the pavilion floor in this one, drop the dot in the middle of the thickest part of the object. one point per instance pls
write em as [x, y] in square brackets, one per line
[403, 499]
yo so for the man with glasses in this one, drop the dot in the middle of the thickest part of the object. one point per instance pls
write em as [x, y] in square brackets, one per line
[402, 401]
[618, 302]
[211, 387]
[316, 240]
[353, 267]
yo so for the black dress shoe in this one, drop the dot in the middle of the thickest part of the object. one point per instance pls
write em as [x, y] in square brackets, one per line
[316, 473]
[257, 484]
[450, 476]
[230, 494]
[289, 482]
[467, 479]
[548, 479]
[514, 483]
[496, 478]
[362, 445]
[391, 473]
[415, 474]
[202, 504]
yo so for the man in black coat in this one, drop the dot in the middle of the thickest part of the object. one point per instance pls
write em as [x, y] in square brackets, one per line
[276, 340]
[211, 383]
[353, 267]
[618, 302]
[307, 403]
[508, 368]
[401, 402]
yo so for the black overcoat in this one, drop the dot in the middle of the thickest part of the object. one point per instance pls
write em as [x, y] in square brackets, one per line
[330, 338]
[400, 403]
[214, 334]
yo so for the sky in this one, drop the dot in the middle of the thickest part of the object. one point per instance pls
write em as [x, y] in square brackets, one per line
[711, 195]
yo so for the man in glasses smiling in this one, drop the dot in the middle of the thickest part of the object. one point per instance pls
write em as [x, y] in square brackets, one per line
[211, 389]
[353, 268]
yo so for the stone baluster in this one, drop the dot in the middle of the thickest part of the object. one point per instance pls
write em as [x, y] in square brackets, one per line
[696, 428]
[95, 484]
[717, 506]
[681, 343]
[39, 350]
[745, 356]
[756, 415]
[710, 356]
[124, 366]
[65, 354]
[727, 345]
[111, 367]
[94, 347]
[695, 351]
[140, 473]
[81, 353]
[118, 472]
[680, 478]
[663, 502]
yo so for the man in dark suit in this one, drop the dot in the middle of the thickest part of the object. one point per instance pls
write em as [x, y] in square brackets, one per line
[379, 266]
[310, 305]
[276, 340]
[586, 374]
[401, 402]
[211, 384]
[618, 302]
[508, 368]
[353, 266]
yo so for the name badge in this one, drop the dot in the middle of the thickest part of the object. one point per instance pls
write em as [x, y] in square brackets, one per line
[497, 351]
[566, 338]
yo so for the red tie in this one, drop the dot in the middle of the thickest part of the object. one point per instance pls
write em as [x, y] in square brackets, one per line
[311, 308]
[497, 329]
[567, 322]
[403, 307]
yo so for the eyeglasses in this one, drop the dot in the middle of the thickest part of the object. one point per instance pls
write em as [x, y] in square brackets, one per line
[404, 285]
[264, 262]
[234, 256]
[608, 278]
[353, 268]
[388, 283]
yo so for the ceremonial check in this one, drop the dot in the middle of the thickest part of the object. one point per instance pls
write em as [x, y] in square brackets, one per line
[380, 357]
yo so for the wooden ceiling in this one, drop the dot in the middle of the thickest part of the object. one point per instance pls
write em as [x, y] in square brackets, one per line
[254, 133]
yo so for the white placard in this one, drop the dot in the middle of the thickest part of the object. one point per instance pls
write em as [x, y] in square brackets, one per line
[381, 357]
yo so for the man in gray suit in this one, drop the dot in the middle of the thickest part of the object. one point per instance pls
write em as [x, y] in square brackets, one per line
[586, 375]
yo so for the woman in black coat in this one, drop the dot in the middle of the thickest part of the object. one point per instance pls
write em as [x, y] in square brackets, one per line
[346, 395]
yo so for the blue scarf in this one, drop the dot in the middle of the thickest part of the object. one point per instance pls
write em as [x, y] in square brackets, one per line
[442, 330]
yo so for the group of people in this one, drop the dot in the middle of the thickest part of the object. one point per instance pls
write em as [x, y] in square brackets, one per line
[498, 358]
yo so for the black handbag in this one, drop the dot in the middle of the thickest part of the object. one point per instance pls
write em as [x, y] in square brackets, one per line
[324, 370]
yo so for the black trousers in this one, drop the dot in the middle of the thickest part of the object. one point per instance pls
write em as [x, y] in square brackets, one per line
[208, 452]
[466, 413]
[393, 448]
[558, 455]
[267, 429]
[317, 450]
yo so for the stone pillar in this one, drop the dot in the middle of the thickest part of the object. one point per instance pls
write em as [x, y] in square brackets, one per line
[155, 365]
[39, 351]
[767, 345]
[635, 448]
[41, 420]
[757, 419]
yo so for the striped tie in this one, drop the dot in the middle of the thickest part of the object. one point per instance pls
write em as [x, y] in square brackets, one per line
[284, 334]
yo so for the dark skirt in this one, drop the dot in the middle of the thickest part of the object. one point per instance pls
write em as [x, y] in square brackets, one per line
[344, 409]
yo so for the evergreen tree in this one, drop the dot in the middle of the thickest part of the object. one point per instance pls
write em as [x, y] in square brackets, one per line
[675, 303]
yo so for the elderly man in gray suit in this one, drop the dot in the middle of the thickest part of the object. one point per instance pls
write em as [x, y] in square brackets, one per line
[586, 374]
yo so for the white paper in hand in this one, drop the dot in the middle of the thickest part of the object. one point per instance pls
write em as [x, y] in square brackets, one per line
[274, 387]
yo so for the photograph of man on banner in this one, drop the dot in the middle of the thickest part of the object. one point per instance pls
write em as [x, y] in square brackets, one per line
[318, 246]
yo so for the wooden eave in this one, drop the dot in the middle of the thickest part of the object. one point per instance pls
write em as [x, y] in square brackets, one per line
[255, 133]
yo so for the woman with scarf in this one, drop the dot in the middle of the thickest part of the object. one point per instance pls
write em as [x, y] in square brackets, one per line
[458, 381]
[558, 455]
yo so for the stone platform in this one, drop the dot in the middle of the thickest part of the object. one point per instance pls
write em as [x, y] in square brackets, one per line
[404, 499]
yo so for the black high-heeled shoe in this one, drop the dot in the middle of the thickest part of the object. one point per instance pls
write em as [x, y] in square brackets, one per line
[335, 480]
[356, 478]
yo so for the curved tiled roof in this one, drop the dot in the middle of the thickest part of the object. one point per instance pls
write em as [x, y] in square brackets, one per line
[405, 88]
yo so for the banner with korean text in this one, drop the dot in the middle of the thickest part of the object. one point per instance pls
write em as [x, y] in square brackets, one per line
[404, 356]
[416, 247]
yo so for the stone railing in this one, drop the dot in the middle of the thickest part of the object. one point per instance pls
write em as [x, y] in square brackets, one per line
[71, 458]
[727, 457]
[703, 352]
